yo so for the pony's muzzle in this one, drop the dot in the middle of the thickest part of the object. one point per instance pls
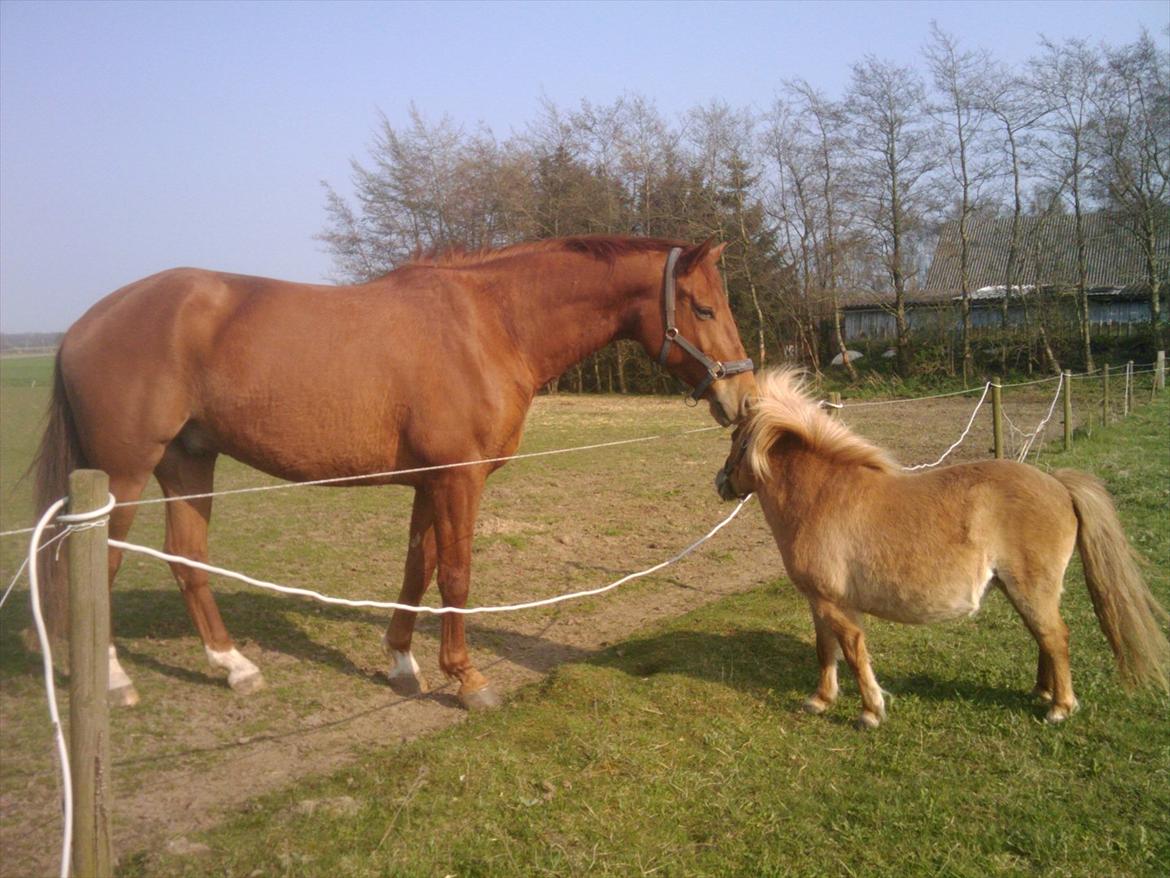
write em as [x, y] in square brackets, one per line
[723, 486]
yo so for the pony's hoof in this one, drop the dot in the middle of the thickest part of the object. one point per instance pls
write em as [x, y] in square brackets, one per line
[815, 706]
[866, 722]
[123, 696]
[1058, 714]
[408, 685]
[246, 684]
[484, 698]
[1042, 695]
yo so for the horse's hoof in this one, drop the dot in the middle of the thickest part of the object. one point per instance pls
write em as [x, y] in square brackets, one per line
[866, 722]
[408, 685]
[123, 696]
[815, 706]
[246, 684]
[484, 698]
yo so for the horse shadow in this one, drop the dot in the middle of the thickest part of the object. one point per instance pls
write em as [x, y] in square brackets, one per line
[285, 626]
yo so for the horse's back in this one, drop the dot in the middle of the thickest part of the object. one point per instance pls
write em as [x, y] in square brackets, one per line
[300, 380]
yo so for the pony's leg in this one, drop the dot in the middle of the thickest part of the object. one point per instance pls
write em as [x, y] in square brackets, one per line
[126, 489]
[181, 473]
[846, 626]
[828, 651]
[405, 677]
[456, 497]
[1039, 607]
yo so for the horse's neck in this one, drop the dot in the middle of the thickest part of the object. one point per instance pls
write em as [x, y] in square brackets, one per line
[562, 312]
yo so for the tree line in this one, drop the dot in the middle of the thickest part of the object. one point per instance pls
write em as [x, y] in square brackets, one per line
[819, 198]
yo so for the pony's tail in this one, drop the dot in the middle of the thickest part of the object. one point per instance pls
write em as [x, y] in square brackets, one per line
[1128, 614]
[59, 454]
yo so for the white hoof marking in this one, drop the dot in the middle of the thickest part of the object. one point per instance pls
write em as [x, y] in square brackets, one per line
[119, 679]
[243, 676]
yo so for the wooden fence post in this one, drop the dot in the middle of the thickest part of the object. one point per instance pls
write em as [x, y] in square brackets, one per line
[1068, 429]
[1128, 403]
[1160, 371]
[997, 416]
[1105, 395]
[89, 640]
[835, 400]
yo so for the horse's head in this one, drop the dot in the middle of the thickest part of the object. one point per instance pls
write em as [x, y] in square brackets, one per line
[736, 479]
[701, 343]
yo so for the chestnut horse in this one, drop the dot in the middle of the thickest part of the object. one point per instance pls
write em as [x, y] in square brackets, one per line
[435, 363]
[859, 535]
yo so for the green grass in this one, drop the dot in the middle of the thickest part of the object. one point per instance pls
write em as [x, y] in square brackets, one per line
[683, 751]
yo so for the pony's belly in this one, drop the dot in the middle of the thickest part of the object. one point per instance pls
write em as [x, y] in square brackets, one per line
[915, 603]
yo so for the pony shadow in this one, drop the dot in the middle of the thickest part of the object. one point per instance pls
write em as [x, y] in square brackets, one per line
[781, 670]
[763, 664]
[958, 689]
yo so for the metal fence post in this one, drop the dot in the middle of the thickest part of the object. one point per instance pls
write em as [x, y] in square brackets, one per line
[89, 640]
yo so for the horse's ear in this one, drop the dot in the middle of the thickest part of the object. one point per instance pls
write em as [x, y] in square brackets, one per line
[693, 257]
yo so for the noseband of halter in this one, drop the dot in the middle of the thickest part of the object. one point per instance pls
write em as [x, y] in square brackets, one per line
[715, 369]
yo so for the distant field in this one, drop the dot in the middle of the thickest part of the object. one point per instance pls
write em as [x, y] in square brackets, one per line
[193, 750]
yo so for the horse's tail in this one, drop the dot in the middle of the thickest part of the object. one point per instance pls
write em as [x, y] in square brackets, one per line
[1128, 614]
[59, 454]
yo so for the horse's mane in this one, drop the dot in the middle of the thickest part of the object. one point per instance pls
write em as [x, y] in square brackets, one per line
[785, 408]
[602, 247]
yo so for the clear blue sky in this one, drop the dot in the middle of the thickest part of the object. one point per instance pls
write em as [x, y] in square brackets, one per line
[137, 137]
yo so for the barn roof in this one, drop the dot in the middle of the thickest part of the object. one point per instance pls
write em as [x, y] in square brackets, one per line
[1048, 255]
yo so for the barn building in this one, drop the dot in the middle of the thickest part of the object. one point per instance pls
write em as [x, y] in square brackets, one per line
[1119, 294]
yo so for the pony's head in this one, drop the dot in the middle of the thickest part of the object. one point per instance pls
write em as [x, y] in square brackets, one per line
[700, 341]
[784, 410]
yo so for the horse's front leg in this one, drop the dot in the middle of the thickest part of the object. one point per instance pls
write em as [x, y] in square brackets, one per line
[456, 497]
[828, 651]
[405, 677]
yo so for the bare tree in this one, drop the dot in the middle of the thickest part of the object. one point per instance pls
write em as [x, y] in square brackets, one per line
[1068, 77]
[895, 151]
[956, 77]
[1013, 107]
[1132, 135]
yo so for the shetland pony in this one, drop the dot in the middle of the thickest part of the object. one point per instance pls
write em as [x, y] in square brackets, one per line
[859, 535]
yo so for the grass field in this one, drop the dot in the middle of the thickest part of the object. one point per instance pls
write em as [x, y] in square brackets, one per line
[633, 746]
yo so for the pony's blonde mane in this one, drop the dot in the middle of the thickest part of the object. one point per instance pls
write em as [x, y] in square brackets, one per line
[784, 407]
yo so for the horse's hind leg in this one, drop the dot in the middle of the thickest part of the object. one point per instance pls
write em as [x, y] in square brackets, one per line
[181, 473]
[405, 677]
[126, 489]
[1039, 607]
[845, 624]
[828, 651]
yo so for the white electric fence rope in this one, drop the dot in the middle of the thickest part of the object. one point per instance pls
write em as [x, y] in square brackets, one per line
[963, 435]
[434, 611]
[284, 486]
[1030, 438]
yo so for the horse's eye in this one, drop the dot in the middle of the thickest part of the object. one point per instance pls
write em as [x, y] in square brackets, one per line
[704, 313]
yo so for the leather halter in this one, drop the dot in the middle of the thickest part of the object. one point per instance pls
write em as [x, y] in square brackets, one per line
[715, 369]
